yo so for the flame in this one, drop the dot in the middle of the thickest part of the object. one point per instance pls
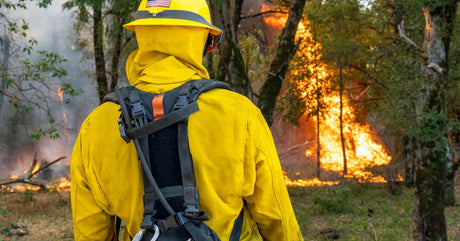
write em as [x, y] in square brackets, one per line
[307, 182]
[361, 144]
[277, 20]
[63, 184]
[61, 94]
[36, 168]
[61, 97]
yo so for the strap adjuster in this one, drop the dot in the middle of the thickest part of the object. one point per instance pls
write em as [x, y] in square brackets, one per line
[138, 113]
[181, 102]
[122, 128]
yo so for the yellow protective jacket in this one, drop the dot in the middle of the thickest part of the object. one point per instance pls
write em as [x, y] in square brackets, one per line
[234, 156]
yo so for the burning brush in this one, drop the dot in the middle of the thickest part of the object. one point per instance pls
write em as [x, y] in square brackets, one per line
[25, 182]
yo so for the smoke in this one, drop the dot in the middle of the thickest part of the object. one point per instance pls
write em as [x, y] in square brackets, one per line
[53, 29]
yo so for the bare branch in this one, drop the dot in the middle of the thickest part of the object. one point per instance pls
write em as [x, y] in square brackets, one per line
[435, 67]
[426, 60]
[403, 36]
[262, 13]
[45, 166]
[27, 179]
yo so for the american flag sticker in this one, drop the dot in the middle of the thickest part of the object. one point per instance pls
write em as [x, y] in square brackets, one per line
[158, 3]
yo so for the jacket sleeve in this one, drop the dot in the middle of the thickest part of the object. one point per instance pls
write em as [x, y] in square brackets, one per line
[269, 203]
[90, 218]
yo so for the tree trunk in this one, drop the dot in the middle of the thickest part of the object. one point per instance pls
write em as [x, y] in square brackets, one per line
[5, 44]
[98, 44]
[428, 219]
[318, 147]
[342, 137]
[452, 167]
[231, 65]
[118, 38]
[411, 160]
[279, 66]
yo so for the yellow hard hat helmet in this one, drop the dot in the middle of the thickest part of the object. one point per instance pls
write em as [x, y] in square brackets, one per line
[193, 13]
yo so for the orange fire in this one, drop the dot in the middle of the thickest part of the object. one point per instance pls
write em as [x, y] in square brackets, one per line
[61, 97]
[274, 19]
[62, 185]
[61, 94]
[36, 168]
[361, 144]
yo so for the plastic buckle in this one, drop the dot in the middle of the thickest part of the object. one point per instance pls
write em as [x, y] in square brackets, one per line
[182, 101]
[179, 219]
[138, 113]
[192, 211]
[122, 128]
[147, 222]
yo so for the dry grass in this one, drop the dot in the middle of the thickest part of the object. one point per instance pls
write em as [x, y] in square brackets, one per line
[42, 215]
[344, 212]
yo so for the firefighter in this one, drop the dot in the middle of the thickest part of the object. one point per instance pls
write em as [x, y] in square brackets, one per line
[235, 162]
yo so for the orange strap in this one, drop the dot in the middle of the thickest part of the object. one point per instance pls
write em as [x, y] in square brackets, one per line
[157, 106]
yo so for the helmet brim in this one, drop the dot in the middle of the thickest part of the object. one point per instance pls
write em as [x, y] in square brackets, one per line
[172, 18]
[171, 22]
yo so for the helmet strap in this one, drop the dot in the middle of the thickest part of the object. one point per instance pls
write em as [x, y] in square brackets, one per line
[211, 43]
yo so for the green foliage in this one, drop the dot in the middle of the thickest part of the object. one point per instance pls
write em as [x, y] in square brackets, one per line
[368, 212]
[3, 211]
[28, 80]
[3, 214]
[337, 202]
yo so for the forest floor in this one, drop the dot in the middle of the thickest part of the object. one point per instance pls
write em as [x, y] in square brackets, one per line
[349, 211]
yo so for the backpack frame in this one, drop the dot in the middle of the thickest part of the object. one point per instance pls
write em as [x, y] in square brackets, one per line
[171, 211]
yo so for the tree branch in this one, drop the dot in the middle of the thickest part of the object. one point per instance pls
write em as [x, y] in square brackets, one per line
[403, 36]
[430, 65]
[262, 13]
[27, 179]
[45, 166]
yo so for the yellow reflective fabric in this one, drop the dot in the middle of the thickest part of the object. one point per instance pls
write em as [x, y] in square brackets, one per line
[234, 156]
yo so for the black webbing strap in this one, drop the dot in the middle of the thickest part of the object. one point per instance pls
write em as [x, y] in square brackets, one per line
[191, 201]
[167, 120]
[117, 227]
[237, 227]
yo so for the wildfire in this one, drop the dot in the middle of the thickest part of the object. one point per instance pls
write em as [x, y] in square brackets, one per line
[61, 94]
[276, 19]
[307, 182]
[24, 182]
[61, 97]
[362, 148]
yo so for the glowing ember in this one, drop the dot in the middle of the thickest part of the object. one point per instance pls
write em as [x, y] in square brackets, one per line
[14, 177]
[362, 149]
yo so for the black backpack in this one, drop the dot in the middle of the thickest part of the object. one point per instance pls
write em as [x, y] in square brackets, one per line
[157, 124]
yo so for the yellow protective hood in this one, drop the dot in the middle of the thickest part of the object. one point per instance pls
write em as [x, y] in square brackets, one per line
[167, 57]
